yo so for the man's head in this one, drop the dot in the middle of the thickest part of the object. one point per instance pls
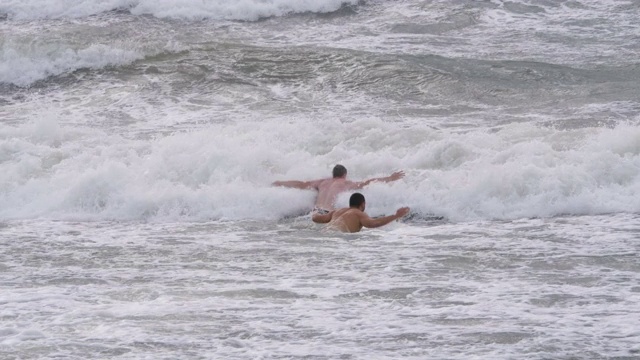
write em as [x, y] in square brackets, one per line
[357, 201]
[339, 171]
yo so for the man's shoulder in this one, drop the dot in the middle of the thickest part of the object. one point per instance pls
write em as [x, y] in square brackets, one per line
[350, 212]
[319, 182]
[325, 181]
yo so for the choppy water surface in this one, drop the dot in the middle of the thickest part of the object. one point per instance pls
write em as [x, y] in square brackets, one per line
[535, 288]
[139, 139]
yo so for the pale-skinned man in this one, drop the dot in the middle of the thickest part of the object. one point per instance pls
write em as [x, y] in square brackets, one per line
[329, 188]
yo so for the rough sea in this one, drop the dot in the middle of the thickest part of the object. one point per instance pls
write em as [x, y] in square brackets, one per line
[139, 140]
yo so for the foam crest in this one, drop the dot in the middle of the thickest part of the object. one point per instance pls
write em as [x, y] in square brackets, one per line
[225, 171]
[208, 174]
[23, 64]
[248, 10]
[545, 174]
[39, 9]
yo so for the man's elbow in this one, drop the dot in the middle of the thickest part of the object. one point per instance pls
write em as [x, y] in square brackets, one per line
[360, 185]
[377, 223]
[320, 219]
[371, 224]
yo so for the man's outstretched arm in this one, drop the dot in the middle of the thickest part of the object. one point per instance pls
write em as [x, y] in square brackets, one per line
[393, 177]
[368, 222]
[298, 184]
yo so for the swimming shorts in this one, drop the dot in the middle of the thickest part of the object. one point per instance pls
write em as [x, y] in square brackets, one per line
[320, 211]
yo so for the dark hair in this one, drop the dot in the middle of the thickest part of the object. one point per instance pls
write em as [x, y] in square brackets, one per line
[339, 171]
[356, 200]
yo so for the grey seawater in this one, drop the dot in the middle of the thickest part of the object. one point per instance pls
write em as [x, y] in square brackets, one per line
[538, 288]
[565, 287]
[450, 65]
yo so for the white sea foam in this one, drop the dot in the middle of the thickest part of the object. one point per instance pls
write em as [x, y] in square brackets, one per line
[225, 171]
[185, 9]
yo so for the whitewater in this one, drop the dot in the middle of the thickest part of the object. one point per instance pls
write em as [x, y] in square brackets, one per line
[139, 141]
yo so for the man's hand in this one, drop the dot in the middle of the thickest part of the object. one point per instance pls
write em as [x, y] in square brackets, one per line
[393, 177]
[403, 211]
[396, 175]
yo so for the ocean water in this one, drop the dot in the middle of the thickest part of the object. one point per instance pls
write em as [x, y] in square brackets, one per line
[139, 139]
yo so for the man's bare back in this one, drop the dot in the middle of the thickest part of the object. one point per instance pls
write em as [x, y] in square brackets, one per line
[346, 220]
[353, 218]
[329, 188]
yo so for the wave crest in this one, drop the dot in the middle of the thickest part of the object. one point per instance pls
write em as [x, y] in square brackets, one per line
[245, 10]
[224, 172]
[24, 64]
